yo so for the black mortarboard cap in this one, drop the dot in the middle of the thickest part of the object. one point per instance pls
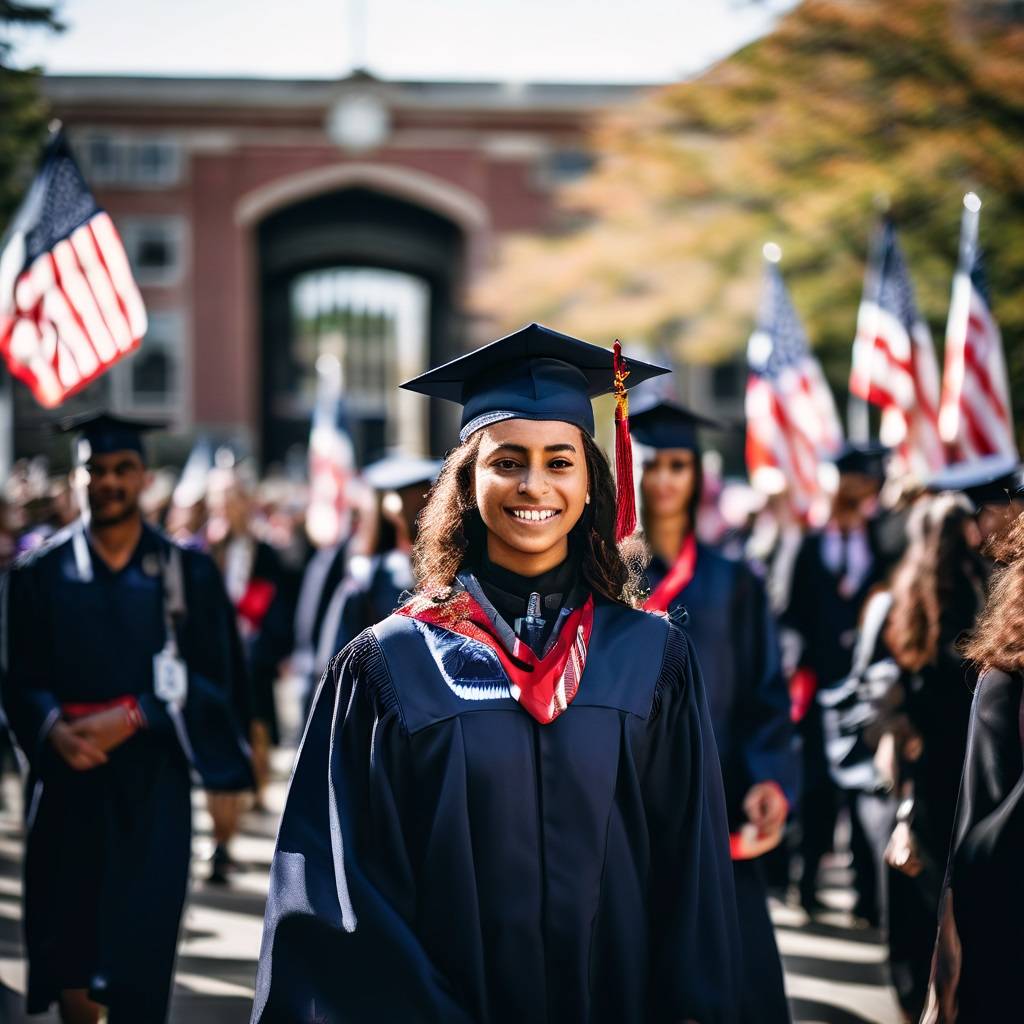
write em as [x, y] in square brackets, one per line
[865, 459]
[988, 480]
[397, 471]
[659, 423]
[534, 374]
[107, 433]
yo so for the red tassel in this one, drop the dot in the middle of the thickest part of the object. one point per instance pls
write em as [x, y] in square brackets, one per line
[625, 515]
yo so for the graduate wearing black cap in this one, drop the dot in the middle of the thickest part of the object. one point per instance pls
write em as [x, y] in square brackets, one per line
[508, 804]
[835, 571]
[123, 675]
[726, 613]
[993, 484]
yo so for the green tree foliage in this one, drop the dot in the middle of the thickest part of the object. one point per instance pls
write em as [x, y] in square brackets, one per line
[23, 112]
[846, 106]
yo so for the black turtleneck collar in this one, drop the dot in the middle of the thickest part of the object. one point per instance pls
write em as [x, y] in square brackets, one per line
[509, 592]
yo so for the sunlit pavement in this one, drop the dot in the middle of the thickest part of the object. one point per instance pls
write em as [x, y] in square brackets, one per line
[835, 973]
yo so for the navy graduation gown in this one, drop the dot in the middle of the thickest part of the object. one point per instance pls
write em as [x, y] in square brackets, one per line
[107, 850]
[443, 857]
[979, 957]
[734, 634]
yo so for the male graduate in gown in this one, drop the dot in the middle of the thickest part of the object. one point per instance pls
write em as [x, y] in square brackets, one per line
[835, 571]
[728, 616]
[124, 677]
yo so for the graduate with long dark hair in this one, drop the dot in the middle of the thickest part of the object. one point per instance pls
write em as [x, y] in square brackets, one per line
[938, 589]
[725, 609]
[507, 805]
[979, 957]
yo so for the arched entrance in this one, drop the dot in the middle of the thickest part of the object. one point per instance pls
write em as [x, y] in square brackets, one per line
[373, 277]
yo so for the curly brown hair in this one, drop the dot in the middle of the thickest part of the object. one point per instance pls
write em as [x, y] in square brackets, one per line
[451, 532]
[937, 587]
[998, 638]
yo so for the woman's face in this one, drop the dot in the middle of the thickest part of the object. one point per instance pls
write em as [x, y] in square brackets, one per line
[531, 489]
[668, 482]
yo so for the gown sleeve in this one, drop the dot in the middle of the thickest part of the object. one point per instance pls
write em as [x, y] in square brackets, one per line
[337, 941]
[978, 957]
[30, 706]
[694, 939]
[764, 730]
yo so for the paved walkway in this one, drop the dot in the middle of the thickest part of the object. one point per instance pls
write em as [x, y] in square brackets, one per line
[835, 974]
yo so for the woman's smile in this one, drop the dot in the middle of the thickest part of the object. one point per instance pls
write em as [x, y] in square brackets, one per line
[529, 515]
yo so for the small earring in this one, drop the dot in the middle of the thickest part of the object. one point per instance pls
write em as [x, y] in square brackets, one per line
[588, 498]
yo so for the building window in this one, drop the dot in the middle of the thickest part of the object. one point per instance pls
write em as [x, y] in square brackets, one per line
[155, 247]
[139, 161]
[563, 166]
[152, 379]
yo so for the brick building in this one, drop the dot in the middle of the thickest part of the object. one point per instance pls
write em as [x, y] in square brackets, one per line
[273, 221]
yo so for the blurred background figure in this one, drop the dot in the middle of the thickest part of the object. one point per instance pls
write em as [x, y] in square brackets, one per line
[937, 591]
[263, 597]
[979, 954]
[724, 608]
[122, 677]
[379, 569]
[185, 517]
[835, 570]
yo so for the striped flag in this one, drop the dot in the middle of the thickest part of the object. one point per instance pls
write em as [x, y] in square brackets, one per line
[894, 364]
[331, 458]
[792, 423]
[69, 306]
[975, 417]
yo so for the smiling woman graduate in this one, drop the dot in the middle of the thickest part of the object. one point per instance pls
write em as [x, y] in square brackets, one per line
[507, 805]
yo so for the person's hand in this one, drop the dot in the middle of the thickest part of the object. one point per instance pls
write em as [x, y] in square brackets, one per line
[901, 851]
[105, 729]
[79, 753]
[766, 807]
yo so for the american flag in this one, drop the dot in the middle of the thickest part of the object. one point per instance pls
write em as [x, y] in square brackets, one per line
[69, 306]
[975, 417]
[792, 422]
[331, 458]
[894, 364]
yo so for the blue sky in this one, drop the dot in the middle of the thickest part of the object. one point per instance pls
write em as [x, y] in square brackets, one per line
[528, 40]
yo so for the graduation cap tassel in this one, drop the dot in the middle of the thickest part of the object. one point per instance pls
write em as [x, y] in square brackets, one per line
[625, 516]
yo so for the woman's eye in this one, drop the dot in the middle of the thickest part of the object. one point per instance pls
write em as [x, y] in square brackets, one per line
[507, 464]
[561, 464]
[678, 467]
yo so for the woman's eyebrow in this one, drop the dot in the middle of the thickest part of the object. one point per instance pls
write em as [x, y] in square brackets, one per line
[521, 449]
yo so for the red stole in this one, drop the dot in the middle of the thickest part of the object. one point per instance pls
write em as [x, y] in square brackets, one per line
[677, 579]
[254, 604]
[544, 686]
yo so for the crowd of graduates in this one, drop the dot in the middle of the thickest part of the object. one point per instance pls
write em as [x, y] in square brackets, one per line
[840, 664]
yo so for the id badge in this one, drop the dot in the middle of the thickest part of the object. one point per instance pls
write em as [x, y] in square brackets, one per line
[170, 678]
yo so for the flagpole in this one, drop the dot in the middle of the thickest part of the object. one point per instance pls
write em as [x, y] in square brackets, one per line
[858, 409]
[969, 232]
[6, 380]
[956, 323]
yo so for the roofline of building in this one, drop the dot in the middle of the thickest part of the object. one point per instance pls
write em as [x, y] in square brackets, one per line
[206, 91]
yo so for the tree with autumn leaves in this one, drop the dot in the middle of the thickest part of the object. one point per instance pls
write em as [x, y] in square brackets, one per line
[23, 111]
[845, 108]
